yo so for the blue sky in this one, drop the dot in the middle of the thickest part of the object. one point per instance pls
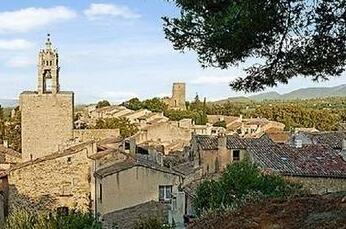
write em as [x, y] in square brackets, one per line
[108, 50]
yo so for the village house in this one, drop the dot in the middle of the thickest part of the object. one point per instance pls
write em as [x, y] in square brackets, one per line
[135, 181]
[317, 162]
[250, 127]
[61, 179]
[320, 167]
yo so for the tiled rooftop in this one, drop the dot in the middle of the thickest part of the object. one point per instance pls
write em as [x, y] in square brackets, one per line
[133, 162]
[233, 142]
[310, 160]
[332, 139]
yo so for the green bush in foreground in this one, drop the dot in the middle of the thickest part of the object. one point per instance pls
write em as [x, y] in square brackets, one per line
[152, 223]
[22, 219]
[241, 182]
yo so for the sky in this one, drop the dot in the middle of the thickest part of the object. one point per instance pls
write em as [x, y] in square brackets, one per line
[112, 49]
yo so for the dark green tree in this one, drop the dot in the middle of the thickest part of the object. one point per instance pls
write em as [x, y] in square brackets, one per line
[126, 128]
[2, 124]
[103, 103]
[133, 104]
[285, 38]
[12, 131]
[154, 105]
[240, 181]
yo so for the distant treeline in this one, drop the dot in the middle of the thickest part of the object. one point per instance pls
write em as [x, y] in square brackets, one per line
[323, 114]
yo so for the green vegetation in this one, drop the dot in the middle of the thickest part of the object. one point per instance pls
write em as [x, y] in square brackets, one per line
[154, 104]
[240, 183]
[126, 128]
[22, 219]
[152, 223]
[323, 114]
[10, 129]
[196, 110]
[103, 103]
[220, 124]
[291, 38]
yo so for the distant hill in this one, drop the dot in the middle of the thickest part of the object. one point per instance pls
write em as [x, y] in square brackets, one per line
[8, 102]
[303, 93]
[240, 99]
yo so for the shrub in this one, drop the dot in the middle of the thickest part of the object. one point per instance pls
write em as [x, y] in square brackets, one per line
[241, 182]
[152, 223]
[21, 219]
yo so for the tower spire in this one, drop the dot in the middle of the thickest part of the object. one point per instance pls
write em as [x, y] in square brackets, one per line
[48, 42]
[48, 69]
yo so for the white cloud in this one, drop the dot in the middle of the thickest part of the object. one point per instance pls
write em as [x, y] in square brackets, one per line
[98, 10]
[24, 20]
[15, 44]
[213, 80]
[19, 62]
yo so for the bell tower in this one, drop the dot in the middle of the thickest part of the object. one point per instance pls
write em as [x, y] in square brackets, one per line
[47, 112]
[48, 69]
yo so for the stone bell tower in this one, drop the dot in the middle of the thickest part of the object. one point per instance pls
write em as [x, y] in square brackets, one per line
[48, 69]
[47, 114]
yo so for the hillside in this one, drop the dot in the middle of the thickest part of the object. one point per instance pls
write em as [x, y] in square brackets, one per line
[315, 211]
[240, 99]
[303, 93]
[8, 102]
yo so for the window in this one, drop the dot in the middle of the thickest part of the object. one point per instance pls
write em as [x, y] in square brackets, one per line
[165, 193]
[236, 155]
[100, 197]
[66, 189]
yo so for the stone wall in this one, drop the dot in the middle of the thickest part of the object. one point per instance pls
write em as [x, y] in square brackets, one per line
[320, 185]
[47, 122]
[212, 161]
[96, 134]
[62, 179]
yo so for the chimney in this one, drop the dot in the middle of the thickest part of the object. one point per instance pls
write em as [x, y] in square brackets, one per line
[223, 157]
[5, 143]
[221, 141]
[298, 143]
[343, 151]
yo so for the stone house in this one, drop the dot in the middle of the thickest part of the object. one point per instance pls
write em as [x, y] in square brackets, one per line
[251, 127]
[61, 179]
[163, 133]
[214, 153]
[320, 167]
[132, 182]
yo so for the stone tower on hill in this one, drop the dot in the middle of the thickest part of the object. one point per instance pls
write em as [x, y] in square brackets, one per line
[47, 114]
[177, 101]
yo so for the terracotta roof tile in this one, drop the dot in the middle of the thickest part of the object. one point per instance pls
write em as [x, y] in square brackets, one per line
[310, 160]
